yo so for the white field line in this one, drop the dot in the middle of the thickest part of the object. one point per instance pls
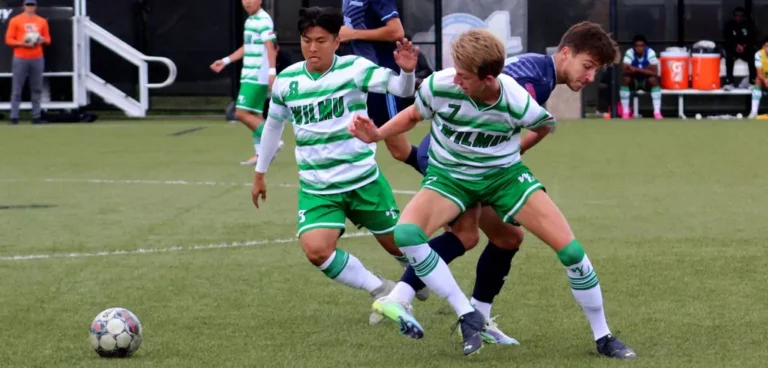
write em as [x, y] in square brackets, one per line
[162, 182]
[250, 243]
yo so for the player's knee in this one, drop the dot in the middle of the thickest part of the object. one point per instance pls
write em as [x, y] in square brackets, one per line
[242, 114]
[626, 80]
[653, 81]
[469, 238]
[509, 239]
[318, 253]
[409, 235]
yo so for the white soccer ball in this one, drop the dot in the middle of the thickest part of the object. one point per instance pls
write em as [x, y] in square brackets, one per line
[31, 38]
[739, 116]
[115, 333]
[698, 116]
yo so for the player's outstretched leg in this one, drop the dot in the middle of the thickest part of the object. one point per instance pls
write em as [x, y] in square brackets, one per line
[427, 212]
[320, 248]
[492, 269]
[542, 218]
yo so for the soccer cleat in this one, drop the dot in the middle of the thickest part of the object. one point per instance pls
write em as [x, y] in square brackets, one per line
[253, 160]
[423, 294]
[611, 347]
[380, 292]
[494, 335]
[402, 314]
[472, 326]
[657, 116]
[752, 116]
[626, 116]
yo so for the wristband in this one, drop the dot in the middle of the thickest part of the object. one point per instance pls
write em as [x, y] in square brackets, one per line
[226, 60]
[272, 71]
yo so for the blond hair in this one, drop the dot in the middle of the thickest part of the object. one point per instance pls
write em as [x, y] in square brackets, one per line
[480, 52]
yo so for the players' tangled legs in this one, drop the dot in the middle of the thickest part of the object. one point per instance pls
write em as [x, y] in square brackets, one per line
[474, 177]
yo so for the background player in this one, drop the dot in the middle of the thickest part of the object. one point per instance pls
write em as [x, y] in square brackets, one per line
[583, 49]
[338, 174]
[259, 61]
[761, 65]
[371, 28]
[640, 70]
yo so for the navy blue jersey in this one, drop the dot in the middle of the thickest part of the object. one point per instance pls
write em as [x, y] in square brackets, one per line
[371, 14]
[536, 73]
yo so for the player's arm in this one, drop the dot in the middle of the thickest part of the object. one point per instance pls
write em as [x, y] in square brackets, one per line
[365, 130]
[45, 34]
[219, 65]
[759, 65]
[537, 120]
[13, 38]
[387, 13]
[626, 66]
[652, 69]
[268, 36]
[270, 140]
[376, 79]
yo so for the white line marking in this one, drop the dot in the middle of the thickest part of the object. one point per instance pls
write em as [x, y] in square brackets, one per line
[250, 243]
[163, 182]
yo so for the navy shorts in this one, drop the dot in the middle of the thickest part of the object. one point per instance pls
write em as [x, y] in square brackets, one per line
[422, 154]
[382, 107]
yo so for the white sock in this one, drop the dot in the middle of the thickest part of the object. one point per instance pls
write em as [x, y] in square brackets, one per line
[586, 290]
[483, 307]
[434, 272]
[403, 292]
[624, 95]
[757, 93]
[256, 149]
[656, 98]
[348, 270]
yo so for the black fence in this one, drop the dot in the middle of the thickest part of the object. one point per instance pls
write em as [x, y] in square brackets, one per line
[194, 33]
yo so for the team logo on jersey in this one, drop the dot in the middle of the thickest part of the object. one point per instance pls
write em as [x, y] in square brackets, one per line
[531, 90]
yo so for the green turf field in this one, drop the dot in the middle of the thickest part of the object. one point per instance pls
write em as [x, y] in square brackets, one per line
[672, 214]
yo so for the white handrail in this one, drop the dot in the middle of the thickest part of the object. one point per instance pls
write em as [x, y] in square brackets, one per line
[120, 47]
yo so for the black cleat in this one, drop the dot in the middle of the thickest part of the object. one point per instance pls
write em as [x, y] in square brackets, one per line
[611, 347]
[472, 324]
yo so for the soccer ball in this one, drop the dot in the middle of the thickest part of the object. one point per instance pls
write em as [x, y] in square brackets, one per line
[115, 333]
[31, 38]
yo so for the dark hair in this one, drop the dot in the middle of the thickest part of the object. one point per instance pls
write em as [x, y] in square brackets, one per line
[739, 9]
[327, 18]
[765, 40]
[594, 40]
[639, 38]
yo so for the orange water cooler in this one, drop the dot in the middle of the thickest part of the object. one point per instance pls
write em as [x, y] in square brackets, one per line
[705, 71]
[674, 69]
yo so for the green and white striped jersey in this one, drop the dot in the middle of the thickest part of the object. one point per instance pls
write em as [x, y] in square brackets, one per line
[258, 30]
[321, 106]
[472, 140]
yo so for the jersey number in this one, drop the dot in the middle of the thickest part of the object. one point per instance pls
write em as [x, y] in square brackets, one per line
[455, 111]
[302, 218]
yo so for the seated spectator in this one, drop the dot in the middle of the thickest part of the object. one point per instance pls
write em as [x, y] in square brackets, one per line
[739, 35]
[640, 70]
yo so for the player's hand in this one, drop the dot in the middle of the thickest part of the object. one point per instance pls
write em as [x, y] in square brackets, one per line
[364, 129]
[218, 66]
[739, 48]
[259, 189]
[346, 34]
[406, 55]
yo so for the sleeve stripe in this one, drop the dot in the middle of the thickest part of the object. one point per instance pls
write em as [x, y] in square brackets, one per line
[390, 15]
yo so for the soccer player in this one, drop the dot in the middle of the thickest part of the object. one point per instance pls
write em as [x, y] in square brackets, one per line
[371, 28]
[640, 71]
[477, 115]
[761, 65]
[259, 59]
[583, 49]
[338, 174]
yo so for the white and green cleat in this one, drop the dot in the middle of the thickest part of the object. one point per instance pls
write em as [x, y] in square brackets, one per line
[401, 313]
